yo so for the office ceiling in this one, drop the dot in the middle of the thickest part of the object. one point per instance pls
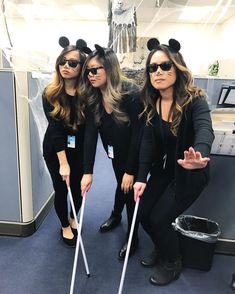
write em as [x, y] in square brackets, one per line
[207, 11]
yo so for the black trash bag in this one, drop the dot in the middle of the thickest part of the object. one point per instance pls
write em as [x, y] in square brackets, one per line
[197, 237]
[197, 228]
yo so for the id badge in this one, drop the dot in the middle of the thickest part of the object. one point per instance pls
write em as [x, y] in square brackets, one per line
[71, 141]
[110, 151]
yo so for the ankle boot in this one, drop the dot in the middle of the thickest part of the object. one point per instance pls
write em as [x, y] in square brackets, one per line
[233, 282]
[167, 272]
[151, 259]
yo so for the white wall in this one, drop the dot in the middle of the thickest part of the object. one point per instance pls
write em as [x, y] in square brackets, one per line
[36, 41]
[197, 42]
[227, 49]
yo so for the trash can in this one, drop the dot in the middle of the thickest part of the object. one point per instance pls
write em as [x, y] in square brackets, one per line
[198, 237]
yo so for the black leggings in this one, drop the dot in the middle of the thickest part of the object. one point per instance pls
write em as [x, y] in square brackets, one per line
[60, 188]
[122, 199]
[158, 209]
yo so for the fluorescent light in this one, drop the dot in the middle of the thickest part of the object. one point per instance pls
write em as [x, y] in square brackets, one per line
[88, 11]
[194, 13]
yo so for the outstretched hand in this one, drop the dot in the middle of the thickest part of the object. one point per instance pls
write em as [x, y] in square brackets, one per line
[193, 160]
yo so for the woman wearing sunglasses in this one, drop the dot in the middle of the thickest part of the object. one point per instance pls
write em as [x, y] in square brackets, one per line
[63, 140]
[175, 148]
[114, 107]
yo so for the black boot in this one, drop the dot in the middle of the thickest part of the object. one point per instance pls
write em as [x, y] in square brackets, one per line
[167, 272]
[233, 282]
[112, 222]
[134, 247]
[152, 259]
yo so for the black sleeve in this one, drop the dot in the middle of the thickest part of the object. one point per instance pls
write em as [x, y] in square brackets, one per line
[146, 155]
[90, 142]
[55, 127]
[202, 124]
[134, 109]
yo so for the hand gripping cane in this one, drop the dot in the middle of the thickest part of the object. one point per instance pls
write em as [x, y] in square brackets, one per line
[128, 246]
[79, 239]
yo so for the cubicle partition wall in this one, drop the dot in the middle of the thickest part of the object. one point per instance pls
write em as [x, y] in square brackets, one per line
[213, 86]
[26, 192]
[217, 202]
[4, 59]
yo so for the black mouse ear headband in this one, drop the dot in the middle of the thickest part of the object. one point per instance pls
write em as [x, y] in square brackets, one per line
[152, 44]
[100, 50]
[63, 41]
[174, 45]
[80, 44]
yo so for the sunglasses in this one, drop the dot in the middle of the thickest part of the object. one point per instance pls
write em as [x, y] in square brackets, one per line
[71, 63]
[165, 66]
[93, 70]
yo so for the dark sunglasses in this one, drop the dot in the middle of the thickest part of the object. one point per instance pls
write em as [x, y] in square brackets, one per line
[92, 70]
[165, 66]
[71, 63]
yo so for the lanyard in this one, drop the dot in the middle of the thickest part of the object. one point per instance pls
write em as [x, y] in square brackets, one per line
[164, 138]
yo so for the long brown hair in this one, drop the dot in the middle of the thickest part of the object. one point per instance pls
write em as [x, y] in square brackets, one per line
[56, 95]
[183, 93]
[117, 86]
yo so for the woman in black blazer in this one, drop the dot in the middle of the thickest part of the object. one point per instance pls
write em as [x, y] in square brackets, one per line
[114, 105]
[175, 149]
[63, 141]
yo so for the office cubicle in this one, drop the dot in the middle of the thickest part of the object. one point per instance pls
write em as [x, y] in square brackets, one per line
[217, 201]
[26, 190]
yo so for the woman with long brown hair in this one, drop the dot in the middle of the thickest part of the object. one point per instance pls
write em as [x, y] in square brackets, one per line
[175, 148]
[114, 105]
[63, 141]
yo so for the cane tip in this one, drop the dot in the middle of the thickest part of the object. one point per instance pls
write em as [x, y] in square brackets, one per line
[88, 275]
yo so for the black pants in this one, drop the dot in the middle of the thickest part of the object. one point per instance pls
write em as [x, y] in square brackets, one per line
[60, 188]
[159, 208]
[122, 199]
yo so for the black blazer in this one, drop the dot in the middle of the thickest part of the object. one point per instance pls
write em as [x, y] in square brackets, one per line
[195, 131]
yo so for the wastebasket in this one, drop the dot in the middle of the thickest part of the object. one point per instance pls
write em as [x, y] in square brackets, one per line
[198, 237]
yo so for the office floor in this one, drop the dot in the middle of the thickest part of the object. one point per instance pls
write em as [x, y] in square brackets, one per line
[42, 264]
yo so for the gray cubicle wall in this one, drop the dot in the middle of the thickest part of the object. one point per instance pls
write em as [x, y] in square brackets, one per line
[10, 209]
[26, 192]
[41, 181]
[4, 62]
[217, 201]
[212, 85]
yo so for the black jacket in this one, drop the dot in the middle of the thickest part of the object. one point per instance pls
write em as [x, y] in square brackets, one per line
[55, 138]
[124, 137]
[195, 131]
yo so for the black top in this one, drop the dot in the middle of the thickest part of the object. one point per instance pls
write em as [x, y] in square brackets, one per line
[195, 131]
[56, 135]
[123, 137]
[165, 144]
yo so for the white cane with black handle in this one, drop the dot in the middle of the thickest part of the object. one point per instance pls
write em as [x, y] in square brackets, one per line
[79, 239]
[128, 245]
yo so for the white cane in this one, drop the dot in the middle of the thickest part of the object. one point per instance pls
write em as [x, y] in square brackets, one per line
[79, 239]
[128, 245]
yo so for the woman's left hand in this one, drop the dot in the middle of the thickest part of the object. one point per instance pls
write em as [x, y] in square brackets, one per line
[127, 182]
[193, 160]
